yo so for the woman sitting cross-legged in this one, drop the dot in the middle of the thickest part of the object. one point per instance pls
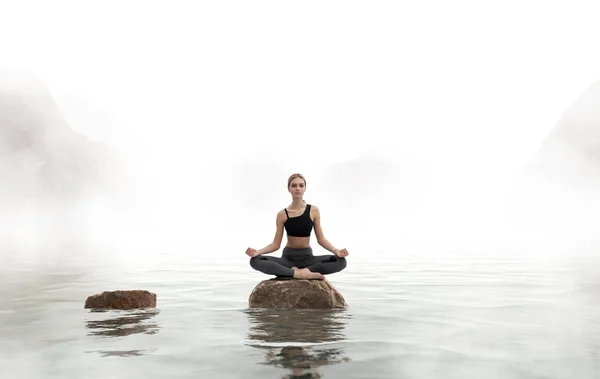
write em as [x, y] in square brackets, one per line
[297, 259]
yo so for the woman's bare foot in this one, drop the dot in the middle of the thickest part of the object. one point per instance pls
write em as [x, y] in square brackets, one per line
[294, 268]
[304, 273]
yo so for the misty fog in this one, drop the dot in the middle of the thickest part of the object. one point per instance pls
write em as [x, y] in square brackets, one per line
[178, 141]
[66, 194]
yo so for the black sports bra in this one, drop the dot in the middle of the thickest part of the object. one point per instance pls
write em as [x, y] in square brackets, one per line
[299, 226]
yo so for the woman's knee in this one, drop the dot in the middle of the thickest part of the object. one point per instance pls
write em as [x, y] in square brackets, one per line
[342, 263]
[254, 262]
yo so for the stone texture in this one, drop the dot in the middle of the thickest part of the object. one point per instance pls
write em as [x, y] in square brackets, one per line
[121, 300]
[297, 294]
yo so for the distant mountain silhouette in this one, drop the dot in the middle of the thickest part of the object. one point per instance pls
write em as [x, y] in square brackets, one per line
[53, 179]
[40, 155]
[556, 197]
[570, 155]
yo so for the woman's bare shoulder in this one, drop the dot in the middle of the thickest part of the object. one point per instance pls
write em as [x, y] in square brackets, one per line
[314, 210]
[281, 214]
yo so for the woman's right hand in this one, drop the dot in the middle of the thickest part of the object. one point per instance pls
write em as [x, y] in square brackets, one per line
[341, 253]
[251, 252]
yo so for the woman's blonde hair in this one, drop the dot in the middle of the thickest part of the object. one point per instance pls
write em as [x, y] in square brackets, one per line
[294, 176]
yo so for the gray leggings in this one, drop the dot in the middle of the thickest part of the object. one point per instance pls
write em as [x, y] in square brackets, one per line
[301, 258]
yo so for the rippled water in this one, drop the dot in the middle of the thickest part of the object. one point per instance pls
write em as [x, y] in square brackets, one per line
[450, 315]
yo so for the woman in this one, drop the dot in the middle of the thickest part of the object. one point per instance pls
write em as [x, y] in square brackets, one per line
[297, 260]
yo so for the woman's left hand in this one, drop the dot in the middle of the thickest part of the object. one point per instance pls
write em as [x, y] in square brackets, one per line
[341, 253]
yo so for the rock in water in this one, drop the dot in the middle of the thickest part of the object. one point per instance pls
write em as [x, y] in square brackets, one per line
[122, 300]
[296, 293]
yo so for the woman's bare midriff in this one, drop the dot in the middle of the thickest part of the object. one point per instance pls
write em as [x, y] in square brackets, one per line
[298, 242]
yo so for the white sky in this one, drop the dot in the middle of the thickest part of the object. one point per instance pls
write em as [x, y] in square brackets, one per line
[468, 89]
[474, 74]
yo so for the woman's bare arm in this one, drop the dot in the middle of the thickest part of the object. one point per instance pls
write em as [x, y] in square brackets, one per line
[321, 236]
[276, 244]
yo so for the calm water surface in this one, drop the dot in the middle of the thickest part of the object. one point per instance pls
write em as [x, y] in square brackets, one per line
[450, 315]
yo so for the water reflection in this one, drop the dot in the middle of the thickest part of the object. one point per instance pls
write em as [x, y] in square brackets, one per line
[122, 323]
[123, 353]
[299, 340]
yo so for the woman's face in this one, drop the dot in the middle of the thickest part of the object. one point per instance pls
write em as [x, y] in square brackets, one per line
[297, 187]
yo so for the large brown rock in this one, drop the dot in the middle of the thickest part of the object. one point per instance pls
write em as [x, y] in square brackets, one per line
[296, 293]
[122, 300]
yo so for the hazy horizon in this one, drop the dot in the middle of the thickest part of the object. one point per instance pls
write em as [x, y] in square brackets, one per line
[410, 126]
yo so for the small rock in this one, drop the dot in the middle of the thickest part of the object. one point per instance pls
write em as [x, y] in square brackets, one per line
[122, 300]
[297, 294]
